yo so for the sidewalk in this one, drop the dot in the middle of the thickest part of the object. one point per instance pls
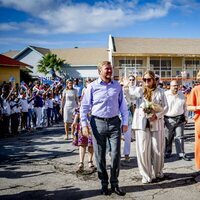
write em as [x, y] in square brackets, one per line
[42, 165]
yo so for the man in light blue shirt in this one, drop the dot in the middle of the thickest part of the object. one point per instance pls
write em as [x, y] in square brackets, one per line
[104, 99]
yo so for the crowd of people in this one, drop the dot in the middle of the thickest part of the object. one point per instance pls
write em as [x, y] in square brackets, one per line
[99, 114]
[25, 107]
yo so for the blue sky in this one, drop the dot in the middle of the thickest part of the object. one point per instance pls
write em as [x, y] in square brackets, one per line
[78, 23]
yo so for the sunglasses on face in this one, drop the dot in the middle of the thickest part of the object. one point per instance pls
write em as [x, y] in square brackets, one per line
[147, 79]
[131, 79]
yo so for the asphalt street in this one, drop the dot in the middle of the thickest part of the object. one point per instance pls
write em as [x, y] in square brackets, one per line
[42, 165]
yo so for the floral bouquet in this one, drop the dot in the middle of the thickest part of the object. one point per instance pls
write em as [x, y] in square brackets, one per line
[151, 108]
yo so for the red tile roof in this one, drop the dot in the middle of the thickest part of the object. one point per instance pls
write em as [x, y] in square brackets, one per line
[6, 61]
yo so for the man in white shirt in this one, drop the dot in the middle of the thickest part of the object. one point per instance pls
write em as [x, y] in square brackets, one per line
[175, 120]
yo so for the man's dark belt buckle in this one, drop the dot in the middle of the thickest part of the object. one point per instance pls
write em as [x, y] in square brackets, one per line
[105, 119]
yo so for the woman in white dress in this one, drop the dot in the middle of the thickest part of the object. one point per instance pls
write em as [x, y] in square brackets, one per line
[148, 125]
[69, 103]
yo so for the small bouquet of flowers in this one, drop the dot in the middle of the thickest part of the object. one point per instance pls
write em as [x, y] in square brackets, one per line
[151, 108]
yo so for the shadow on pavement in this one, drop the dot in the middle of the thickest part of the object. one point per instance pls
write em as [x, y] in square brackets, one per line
[35, 146]
[21, 174]
[172, 180]
[63, 193]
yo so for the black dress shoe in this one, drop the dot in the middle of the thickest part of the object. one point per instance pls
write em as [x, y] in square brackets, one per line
[167, 155]
[118, 191]
[186, 158]
[104, 190]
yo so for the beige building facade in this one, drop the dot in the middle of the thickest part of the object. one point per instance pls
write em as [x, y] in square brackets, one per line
[169, 58]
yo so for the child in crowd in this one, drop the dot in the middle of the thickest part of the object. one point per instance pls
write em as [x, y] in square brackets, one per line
[31, 114]
[44, 110]
[49, 109]
[15, 113]
[82, 142]
[24, 112]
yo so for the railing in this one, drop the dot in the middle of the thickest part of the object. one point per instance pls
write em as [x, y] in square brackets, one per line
[176, 72]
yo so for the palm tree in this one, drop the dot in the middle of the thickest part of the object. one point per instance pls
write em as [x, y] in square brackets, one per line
[50, 63]
[63, 72]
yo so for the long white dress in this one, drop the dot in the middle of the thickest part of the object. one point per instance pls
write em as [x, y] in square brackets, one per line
[70, 104]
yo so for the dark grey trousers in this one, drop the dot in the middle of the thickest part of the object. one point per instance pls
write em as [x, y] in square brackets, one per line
[174, 131]
[107, 132]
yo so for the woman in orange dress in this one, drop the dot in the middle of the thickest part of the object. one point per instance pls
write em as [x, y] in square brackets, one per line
[193, 104]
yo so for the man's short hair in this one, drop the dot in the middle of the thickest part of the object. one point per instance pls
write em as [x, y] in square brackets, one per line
[101, 64]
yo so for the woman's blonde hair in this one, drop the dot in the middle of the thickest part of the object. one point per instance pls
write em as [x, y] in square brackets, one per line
[198, 76]
[67, 81]
[148, 92]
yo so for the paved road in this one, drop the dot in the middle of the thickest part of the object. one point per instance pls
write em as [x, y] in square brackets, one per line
[41, 165]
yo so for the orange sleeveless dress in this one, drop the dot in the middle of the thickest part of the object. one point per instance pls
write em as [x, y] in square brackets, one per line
[194, 100]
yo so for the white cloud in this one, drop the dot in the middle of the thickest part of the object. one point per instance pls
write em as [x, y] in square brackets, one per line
[27, 41]
[28, 26]
[8, 26]
[30, 6]
[67, 17]
[151, 11]
[83, 19]
[186, 4]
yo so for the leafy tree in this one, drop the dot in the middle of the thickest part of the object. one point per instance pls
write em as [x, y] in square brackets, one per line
[63, 72]
[50, 63]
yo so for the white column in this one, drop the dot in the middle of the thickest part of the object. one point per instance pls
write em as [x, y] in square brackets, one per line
[148, 62]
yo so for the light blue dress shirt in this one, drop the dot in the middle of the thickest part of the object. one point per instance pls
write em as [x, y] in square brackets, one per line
[104, 100]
